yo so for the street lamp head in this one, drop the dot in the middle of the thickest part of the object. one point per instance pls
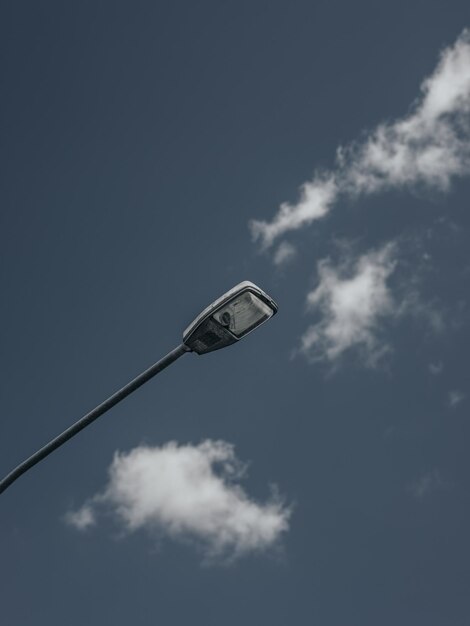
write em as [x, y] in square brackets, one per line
[229, 318]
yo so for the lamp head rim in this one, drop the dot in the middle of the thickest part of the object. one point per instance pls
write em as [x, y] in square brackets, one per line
[244, 286]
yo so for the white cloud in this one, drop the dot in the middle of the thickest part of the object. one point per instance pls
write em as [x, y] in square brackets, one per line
[455, 398]
[426, 484]
[284, 254]
[430, 146]
[351, 299]
[188, 492]
[358, 297]
[316, 197]
[81, 519]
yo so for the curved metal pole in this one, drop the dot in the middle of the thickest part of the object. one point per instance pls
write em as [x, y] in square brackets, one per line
[93, 415]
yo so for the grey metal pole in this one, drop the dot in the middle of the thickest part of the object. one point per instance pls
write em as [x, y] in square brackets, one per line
[93, 415]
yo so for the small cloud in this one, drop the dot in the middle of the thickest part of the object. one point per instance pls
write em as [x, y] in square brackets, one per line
[359, 297]
[316, 199]
[427, 484]
[455, 398]
[436, 368]
[429, 312]
[351, 300]
[188, 492]
[81, 519]
[284, 254]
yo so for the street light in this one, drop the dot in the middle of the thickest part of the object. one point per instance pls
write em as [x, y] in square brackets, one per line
[227, 320]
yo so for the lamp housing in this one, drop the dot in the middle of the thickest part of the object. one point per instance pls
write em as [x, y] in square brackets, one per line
[229, 318]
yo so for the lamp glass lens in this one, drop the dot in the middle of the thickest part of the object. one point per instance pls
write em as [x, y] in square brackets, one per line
[243, 313]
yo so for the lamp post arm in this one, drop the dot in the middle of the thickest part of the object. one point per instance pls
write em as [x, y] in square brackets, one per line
[93, 415]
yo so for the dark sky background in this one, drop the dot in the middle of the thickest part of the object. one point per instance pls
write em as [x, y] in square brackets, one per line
[138, 139]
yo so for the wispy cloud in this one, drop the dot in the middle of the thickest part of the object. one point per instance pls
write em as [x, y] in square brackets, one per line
[351, 299]
[436, 368]
[429, 146]
[426, 484]
[187, 492]
[316, 199]
[456, 397]
[284, 254]
[81, 519]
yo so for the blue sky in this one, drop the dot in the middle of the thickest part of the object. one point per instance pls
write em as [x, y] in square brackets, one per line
[154, 156]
